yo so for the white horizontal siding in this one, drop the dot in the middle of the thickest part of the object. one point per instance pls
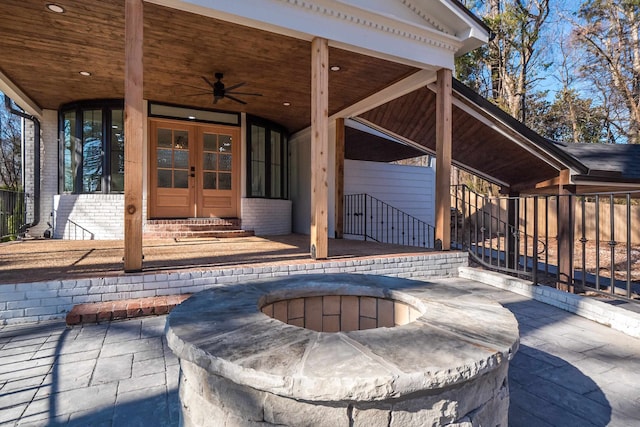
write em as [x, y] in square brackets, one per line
[408, 188]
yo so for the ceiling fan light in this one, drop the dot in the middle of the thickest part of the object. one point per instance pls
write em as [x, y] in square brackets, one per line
[52, 7]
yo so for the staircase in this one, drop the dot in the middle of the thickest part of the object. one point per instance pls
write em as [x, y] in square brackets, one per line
[194, 228]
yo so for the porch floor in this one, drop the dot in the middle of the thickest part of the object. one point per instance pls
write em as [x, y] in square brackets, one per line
[43, 260]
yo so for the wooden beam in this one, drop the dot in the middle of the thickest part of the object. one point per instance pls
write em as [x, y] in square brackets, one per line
[566, 224]
[133, 130]
[443, 159]
[339, 214]
[319, 147]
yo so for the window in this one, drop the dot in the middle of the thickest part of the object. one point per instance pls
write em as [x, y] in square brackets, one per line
[267, 163]
[92, 147]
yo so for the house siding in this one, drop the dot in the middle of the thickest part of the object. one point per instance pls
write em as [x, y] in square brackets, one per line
[408, 188]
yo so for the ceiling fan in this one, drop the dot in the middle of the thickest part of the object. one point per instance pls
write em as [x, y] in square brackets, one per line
[220, 92]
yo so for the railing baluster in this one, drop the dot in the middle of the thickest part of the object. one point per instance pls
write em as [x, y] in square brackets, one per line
[612, 244]
[597, 219]
[628, 245]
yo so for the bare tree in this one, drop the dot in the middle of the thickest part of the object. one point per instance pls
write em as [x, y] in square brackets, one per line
[10, 149]
[609, 31]
[511, 58]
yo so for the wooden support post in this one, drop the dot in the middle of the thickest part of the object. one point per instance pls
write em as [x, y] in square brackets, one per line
[339, 217]
[319, 147]
[133, 131]
[565, 233]
[443, 159]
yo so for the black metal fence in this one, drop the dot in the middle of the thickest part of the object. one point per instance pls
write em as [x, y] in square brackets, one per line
[521, 236]
[373, 219]
[12, 213]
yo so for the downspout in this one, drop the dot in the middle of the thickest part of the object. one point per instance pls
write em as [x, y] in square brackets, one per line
[36, 164]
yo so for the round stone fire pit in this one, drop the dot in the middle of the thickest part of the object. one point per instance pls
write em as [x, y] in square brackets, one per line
[342, 350]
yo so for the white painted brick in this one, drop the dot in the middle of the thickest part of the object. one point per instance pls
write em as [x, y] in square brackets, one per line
[41, 294]
[40, 311]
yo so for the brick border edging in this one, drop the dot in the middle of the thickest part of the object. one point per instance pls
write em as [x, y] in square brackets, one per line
[123, 309]
[625, 321]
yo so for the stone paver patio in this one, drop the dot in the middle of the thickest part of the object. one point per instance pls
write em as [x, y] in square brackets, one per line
[569, 371]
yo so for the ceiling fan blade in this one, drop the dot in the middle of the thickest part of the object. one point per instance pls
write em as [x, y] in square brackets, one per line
[233, 98]
[208, 82]
[236, 86]
[193, 87]
[242, 93]
[197, 94]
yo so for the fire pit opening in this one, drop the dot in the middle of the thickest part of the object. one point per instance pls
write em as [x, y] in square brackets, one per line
[341, 313]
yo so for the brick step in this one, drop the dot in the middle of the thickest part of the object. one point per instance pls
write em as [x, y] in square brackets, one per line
[190, 227]
[195, 228]
[220, 234]
[123, 309]
[234, 222]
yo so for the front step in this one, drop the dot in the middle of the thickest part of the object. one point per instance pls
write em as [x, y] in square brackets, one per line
[195, 228]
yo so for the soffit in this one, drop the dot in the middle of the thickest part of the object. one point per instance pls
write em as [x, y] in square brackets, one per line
[475, 146]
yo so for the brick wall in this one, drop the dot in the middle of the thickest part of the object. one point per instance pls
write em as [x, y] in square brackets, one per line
[89, 216]
[266, 217]
[33, 302]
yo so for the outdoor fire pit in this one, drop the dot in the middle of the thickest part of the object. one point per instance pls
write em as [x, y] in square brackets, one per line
[342, 350]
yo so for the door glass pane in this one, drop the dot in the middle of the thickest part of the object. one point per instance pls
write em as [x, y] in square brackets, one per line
[164, 158]
[225, 143]
[224, 181]
[225, 162]
[180, 159]
[180, 179]
[209, 161]
[181, 139]
[210, 142]
[117, 150]
[91, 151]
[164, 178]
[209, 181]
[164, 137]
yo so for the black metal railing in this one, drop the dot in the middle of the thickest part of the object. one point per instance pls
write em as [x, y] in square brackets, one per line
[12, 213]
[373, 219]
[521, 236]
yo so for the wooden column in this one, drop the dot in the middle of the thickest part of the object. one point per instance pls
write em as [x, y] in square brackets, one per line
[133, 131]
[339, 217]
[443, 159]
[565, 232]
[319, 147]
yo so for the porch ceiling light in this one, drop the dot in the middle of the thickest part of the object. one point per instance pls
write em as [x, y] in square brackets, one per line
[286, 104]
[85, 73]
[335, 68]
[55, 8]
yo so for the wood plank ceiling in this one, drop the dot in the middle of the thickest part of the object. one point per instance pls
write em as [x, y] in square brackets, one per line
[43, 53]
[474, 145]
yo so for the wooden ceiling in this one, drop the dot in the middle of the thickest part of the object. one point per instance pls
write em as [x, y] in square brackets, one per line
[475, 146]
[43, 52]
